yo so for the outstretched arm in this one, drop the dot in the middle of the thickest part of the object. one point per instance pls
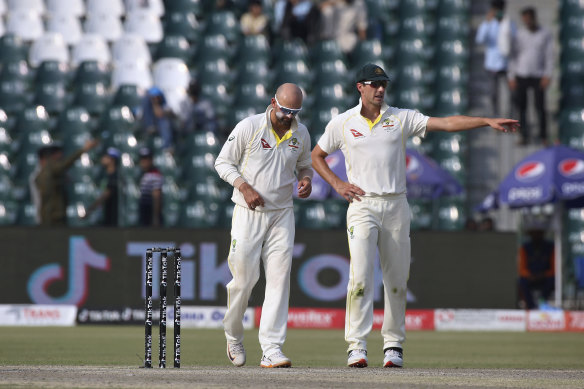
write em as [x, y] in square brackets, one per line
[463, 123]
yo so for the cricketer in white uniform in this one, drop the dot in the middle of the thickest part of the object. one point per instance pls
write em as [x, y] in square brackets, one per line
[262, 158]
[372, 137]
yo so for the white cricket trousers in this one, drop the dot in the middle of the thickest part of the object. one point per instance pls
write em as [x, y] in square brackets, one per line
[379, 222]
[270, 236]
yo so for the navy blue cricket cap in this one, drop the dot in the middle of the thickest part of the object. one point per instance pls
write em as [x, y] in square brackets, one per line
[49, 149]
[371, 72]
[113, 152]
[145, 152]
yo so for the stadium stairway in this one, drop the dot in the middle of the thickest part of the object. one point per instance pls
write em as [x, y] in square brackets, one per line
[494, 154]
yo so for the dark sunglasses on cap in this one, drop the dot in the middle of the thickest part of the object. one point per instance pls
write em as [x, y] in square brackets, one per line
[287, 111]
[375, 84]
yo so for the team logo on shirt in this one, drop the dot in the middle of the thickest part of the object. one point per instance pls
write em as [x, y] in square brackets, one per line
[389, 123]
[351, 231]
[265, 144]
[293, 144]
[356, 134]
[233, 243]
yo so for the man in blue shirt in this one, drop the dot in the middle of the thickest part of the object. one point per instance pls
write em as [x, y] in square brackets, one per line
[495, 33]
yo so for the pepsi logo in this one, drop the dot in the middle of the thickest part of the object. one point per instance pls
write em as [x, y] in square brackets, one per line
[571, 167]
[413, 165]
[529, 171]
[332, 160]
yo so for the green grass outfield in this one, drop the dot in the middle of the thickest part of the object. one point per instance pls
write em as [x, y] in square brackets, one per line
[124, 346]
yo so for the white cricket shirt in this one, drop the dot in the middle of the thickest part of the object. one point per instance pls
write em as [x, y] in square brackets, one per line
[375, 153]
[268, 163]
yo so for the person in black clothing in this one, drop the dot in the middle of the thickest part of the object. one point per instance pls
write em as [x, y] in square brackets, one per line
[150, 191]
[109, 195]
[301, 20]
[536, 267]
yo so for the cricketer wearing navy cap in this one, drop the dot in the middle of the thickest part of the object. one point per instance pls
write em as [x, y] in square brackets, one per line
[372, 137]
[371, 72]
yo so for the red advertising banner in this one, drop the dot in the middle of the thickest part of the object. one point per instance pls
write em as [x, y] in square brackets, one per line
[575, 321]
[416, 319]
[311, 318]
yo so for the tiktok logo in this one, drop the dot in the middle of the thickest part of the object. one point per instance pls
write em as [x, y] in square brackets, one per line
[81, 258]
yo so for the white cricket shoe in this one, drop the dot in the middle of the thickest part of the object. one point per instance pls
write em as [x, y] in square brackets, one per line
[393, 358]
[236, 353]
[357, 358]
[277, 359]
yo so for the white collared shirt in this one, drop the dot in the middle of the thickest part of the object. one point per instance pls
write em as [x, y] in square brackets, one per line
[254, 152]
[375, 153]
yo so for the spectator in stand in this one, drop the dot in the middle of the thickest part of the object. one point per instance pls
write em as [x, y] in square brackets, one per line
[254, 21]
[156, 116]
[345, 21]
[35, 196]
[199, 114]
[50, 183]
[471, 224]
[109, 195]
[536, 267]
[496, 33]
[297, 19]
[487, 224]
[150, 191]
[531, 65]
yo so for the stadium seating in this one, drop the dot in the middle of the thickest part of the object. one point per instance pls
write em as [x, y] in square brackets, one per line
[131, 48]
[144, 23]
[109, 26]
[91, 80]
[174, 46]
[134, 73]
[451, 214]
[12, 49]
[170, 73]
[105, 7]
[223, 23]
[127, 95]
[52, 95]
[92, 96]
[253, 48]
[49, 47]
[422, 217]
[16, 70]
[254, 72]
[183, 24]
[69, 26]
[65, 7]
[13, 95]
[91, 47]
[200, 214]
[155, 7]
[28, 25]
[36, 6]
[184, 6]
[92, 72]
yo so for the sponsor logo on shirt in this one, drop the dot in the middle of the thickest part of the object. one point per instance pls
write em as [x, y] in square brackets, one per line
[231, 138]
[265, 144]
[356, 134]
